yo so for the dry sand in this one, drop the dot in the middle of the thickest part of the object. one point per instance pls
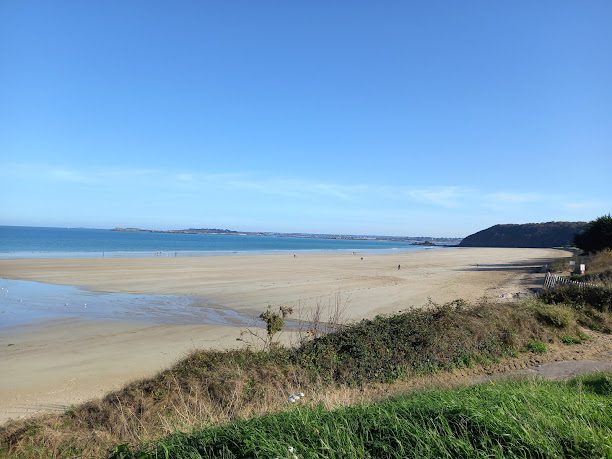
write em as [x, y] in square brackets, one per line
[49, 366]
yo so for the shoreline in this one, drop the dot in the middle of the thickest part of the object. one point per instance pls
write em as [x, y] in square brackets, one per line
[42, 255]
[95, 254]
[50, 366]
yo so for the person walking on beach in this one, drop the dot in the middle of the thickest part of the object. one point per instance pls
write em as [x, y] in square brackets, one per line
[398, 267]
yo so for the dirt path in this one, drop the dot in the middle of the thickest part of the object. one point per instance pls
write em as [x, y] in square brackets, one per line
[559, 362]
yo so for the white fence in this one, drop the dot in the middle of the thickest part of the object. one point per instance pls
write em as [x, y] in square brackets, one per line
[552, 280]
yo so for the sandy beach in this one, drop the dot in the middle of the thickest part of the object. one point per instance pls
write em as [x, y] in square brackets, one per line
[49, 366]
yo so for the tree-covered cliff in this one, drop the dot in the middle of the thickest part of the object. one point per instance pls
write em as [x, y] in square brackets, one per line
[550, 234]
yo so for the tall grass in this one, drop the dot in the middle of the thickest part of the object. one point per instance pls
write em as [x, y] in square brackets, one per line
[600, 262]
[505, 420]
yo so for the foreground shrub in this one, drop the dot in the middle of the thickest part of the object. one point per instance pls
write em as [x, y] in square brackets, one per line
[604, 277]
[418, 341]
[591, 305]
[597, 297]
[570, 339]
[504, 420]
[537, 346]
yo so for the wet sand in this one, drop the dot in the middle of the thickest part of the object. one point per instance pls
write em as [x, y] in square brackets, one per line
[252, 282]
[49, 366]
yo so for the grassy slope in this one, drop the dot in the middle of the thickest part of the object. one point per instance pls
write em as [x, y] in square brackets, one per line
[507, 419]
[219, 387]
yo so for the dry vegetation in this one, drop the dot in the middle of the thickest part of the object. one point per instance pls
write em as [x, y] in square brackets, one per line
[361, 361]
[600, 262]
[507, 419]
[599, 267]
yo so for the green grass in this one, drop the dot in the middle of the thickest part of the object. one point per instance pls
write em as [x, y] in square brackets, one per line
[505, 420]
[537, 347]
[571, 339]
[597, 383]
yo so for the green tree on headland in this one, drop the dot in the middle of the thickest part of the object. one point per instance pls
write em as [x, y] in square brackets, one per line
[597, 236]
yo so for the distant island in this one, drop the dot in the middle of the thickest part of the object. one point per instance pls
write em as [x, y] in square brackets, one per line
[414, 240]
[180, 231]
[528, 235]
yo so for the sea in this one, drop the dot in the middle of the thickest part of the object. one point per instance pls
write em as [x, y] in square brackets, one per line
[38, 242]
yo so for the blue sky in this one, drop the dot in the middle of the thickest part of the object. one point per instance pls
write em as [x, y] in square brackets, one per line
[413, 118]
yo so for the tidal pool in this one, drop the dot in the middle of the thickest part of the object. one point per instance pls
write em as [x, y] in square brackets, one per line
[24, 302]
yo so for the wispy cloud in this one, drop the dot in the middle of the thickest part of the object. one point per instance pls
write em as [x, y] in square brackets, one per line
[314, 191]
[71, 174]
[174, 197]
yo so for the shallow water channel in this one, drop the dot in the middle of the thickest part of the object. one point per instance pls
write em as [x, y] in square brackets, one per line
[25, 302]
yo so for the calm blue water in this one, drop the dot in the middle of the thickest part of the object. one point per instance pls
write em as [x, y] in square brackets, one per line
[24, 242]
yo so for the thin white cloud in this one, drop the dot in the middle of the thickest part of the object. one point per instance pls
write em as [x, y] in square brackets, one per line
[186, 182]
